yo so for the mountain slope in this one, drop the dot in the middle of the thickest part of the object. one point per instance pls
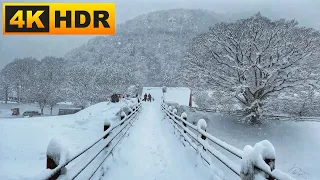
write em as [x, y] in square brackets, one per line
[150, 47]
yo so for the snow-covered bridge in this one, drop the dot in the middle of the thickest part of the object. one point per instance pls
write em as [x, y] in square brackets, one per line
[152, 142]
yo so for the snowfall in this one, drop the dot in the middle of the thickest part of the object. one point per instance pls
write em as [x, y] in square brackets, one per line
[150, 148]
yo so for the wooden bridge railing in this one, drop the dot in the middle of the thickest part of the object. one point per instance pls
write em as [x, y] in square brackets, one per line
[56, 162]
[198, 138]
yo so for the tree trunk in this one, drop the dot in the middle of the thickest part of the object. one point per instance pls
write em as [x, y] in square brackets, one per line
[42, 110]
[18, 94]
[253, 107]
[51, 107]
[6, 95]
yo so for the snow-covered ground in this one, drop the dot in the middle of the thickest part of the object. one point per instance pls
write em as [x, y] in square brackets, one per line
[151, 150]
[296, 143]
[24, 141]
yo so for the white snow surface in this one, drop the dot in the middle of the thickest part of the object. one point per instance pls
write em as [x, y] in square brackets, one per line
[152, 151]
[24, 141]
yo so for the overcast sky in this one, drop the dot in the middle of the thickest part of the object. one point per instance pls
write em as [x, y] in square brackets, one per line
[305, 11]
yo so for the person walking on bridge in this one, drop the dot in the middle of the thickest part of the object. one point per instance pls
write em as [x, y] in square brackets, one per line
[149, 97]
[145, 97]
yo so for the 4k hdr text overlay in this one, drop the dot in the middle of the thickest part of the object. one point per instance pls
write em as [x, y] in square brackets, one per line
[58, 18]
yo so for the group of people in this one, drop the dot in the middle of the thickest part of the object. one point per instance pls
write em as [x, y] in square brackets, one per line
[148, 97]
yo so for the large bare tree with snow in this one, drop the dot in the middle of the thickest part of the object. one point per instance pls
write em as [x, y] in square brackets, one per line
[252, 59]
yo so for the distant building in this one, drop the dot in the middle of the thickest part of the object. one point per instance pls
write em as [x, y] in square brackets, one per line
[69, 111]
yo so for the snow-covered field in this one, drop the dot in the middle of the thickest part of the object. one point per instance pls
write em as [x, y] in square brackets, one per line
[24, 141]
[296, 143]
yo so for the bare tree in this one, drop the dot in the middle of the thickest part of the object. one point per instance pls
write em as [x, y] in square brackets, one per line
[304, 102]
[132, 90]
[19, 74]
[5, 84]
[53, 99]
[252, 59]
[46, 80]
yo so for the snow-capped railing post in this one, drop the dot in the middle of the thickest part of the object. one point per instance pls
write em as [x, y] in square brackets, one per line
[122, 116]
[164, 90]
[56, 154]
[202, 125]
[201, 147]
[184, 117]
[175, 111]
[106, 126]
[52, 165]
[170, 110]
[129, 111]
[271, 162]
[258, 161]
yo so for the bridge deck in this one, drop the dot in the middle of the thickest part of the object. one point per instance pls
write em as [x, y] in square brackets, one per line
[152, 151]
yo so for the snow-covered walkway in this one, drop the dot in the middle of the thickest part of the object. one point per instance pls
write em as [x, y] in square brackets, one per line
[153, 152]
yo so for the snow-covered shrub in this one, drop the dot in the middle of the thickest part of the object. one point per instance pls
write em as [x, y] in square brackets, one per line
[218, 100]
[172, 104]
[296, 103]
[132, 91]
[170, 108]
[203, 100]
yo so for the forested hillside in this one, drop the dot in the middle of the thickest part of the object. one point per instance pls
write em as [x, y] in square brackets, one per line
[149, 47]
